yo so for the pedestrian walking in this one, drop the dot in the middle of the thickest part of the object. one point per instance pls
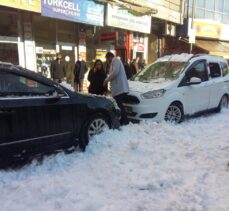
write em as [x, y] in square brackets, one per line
[119, 84]
[133, 67]
[96, 78]
[143, 64]
[137, 63]
[57, 69]
[79, 72]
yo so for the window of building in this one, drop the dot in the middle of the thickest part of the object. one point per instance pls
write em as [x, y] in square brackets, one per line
[210, 4]
[9, 53]
[44, 30]
[226, 19]
[226, 7]
[200, 3]
[218, 17]
[8, 25]
[217, 10]
[209, 15]
[199, 13]
[219, 5]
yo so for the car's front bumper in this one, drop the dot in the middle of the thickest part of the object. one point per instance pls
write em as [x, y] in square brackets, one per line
[153, 109]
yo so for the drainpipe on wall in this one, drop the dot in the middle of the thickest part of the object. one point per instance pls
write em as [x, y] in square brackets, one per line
[193, 15]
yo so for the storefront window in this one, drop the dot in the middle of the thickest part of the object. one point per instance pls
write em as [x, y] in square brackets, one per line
[9, 53]
[8, 25]
[65, 32]
[45, 38]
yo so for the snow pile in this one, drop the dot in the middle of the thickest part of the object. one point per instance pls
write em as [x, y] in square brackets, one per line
[150, 166]
[67, 86]
[184, 57]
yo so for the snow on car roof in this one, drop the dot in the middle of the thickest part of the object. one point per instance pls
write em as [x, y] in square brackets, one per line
[184, 57]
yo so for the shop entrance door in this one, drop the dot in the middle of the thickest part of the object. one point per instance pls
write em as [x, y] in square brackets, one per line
[68, 55]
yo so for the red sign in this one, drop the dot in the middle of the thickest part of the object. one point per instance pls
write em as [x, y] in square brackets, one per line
[108, 36]
[131, 41]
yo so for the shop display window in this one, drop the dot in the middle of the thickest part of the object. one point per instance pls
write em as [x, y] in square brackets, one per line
[9, 53]
[8, 25]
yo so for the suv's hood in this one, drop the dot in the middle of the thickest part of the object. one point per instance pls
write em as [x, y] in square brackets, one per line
[142, 87]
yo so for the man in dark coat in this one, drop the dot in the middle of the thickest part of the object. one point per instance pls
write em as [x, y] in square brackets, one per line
[57, 69]
[79, 72]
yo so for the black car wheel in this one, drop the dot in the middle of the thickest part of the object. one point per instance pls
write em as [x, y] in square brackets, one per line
[95, 125]
[174, 113]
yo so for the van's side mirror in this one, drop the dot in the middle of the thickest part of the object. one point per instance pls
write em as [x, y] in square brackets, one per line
[194, 80]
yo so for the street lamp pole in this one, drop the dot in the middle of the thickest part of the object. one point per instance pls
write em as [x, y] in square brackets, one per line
[193, 15]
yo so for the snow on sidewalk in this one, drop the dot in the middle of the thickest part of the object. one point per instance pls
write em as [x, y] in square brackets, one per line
[150, 166]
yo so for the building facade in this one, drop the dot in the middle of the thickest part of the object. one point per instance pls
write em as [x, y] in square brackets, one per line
[33, 31]
[206, 26]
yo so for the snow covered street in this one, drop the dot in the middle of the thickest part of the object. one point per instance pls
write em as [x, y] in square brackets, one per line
[148, 166]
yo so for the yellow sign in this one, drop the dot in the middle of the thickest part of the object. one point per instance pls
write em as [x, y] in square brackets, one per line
[206, 29]
[30, 5]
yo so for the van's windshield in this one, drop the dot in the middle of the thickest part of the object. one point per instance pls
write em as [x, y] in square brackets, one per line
[160, 71]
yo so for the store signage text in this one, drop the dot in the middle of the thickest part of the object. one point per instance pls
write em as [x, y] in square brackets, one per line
[63, 5]
[30, 5]
[121, 18]
[83, 11]
[30, 2]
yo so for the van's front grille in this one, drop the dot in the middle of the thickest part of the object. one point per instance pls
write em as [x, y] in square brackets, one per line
[130, 99]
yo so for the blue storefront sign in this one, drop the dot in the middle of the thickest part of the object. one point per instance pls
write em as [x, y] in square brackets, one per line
[83, 11]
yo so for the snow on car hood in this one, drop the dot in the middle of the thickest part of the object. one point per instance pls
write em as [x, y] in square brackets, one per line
[142, 87]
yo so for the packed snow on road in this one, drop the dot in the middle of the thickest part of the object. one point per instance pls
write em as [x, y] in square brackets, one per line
[148, 166]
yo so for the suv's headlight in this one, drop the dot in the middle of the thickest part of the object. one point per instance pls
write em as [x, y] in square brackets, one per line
[153, 94]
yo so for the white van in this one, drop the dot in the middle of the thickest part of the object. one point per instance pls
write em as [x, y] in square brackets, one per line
[178, 85]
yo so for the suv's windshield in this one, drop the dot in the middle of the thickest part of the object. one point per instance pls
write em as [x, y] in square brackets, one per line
[160, 71]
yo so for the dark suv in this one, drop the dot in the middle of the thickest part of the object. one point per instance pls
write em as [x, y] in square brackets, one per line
[40, 116]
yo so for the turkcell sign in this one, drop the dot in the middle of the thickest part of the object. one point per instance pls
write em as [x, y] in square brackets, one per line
[83, 11]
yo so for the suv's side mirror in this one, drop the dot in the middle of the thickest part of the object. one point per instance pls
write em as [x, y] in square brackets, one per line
[194, 80]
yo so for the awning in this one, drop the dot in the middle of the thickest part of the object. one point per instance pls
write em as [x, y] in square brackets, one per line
[218, 48]
[135, 6]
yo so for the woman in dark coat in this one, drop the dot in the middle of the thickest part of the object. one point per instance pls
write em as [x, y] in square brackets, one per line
[96, 77]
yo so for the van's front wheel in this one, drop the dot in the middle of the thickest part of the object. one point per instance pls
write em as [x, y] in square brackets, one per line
[174, 113]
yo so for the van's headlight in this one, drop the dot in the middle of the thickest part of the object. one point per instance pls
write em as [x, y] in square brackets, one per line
[153, 94]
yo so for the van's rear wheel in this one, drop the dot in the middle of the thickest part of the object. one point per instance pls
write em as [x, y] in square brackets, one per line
[223, 103]
[174, 113]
